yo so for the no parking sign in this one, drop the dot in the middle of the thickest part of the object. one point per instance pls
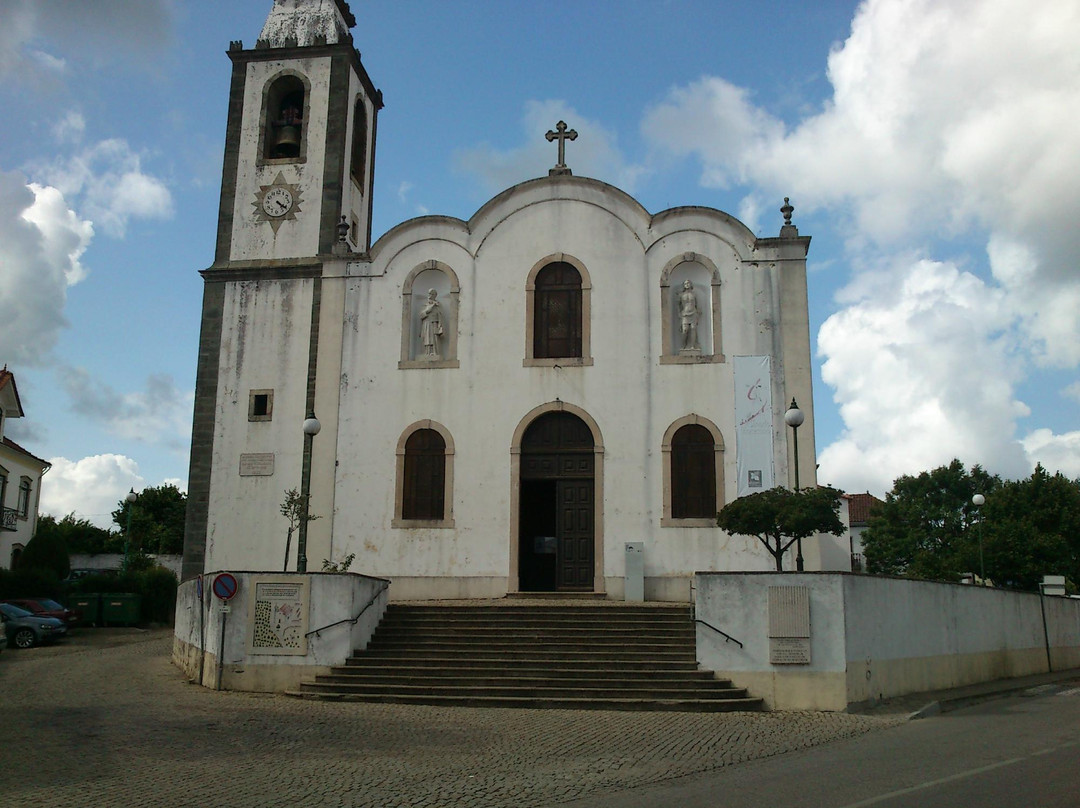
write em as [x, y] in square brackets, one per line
[225, 585]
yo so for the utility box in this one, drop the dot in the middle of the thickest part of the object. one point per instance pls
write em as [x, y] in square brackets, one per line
[634, 588]
[120, 609]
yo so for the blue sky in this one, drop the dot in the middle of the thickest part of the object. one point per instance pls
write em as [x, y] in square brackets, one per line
[929, 147]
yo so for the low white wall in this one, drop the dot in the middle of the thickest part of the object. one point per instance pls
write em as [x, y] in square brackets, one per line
[873, 638]
[114, 561]
[226, 649]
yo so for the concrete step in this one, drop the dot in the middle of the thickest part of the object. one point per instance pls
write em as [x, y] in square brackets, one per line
[525, 660]
[407, 671]
[521, 689]
[673, 705]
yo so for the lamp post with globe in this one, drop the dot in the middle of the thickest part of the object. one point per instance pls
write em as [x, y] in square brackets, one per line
[311, 429]
[978, 501]
[794, 418]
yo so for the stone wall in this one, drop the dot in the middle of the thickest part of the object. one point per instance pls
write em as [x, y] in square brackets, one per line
[872, 638]
[278, 629]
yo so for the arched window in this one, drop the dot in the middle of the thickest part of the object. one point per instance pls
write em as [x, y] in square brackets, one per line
[425, 474]
[557, 312]
[359, 143]
[693, 473]
[283, 137]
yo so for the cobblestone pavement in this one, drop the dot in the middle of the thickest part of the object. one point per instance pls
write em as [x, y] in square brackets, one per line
[104, 719]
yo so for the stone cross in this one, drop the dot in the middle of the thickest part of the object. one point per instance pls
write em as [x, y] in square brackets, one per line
[563, 135]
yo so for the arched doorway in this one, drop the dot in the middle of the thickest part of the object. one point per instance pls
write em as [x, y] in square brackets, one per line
[557, 502]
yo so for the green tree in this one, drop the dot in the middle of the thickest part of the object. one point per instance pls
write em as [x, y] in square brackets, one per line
[157, 520]
[928, 527]
[292, 508]
[925, 528]
[779, 517]
[81, 535]
[46, 552]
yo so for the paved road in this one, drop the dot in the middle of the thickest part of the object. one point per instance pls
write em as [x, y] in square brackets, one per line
[104, 719]
[1016, 752]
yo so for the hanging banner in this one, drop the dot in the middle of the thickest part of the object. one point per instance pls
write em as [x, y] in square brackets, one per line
[753, 423]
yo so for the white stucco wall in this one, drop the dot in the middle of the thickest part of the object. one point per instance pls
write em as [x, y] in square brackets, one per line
[874, 638]
[335, 600]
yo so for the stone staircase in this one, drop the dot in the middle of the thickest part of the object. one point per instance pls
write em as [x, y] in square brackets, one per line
[579, 657]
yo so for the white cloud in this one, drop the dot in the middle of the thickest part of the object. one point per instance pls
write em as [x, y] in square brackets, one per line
[1055, 452]
[70, 128]
[92, 32]
[594, 154]
[41, 244]
[91, 487]
[160, 414]
[923, 373]
[949, 122]
[108, 182]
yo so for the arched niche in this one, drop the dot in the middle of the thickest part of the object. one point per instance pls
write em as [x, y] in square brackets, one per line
[704, 278]
[284, 123]
[414, 300]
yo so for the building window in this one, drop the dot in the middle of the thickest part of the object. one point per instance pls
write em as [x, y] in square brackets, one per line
[359, 144]
[557, 313]
[24, 498]
[693, 473]
[260, 405]
[425, 474]
[284, 131]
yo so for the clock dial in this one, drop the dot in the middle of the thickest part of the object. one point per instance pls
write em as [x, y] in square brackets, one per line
[277, 202]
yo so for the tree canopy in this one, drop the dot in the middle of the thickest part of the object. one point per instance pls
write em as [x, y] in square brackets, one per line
[157, 520]
[779, 517]
[81, 535]
[929, 528]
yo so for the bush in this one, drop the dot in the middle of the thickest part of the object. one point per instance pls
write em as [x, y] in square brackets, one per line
[30, 583]
[157, 586]
[46, 551]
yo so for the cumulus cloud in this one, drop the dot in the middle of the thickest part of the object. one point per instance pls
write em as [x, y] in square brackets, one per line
[948, 122]
[41, 243]
[160, 414]
[90, 488]
[108, 181]
[594, 154]
[34, 30]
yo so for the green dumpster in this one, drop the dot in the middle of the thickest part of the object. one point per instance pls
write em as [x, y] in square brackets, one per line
[90, 606]
[119, 609]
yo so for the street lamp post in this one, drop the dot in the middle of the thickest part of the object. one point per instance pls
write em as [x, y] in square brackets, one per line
[311, 429]
[794, 418]
[129, 498]
[978, 501]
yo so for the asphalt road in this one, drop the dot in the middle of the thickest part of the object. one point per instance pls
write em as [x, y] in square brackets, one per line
[1022, 751]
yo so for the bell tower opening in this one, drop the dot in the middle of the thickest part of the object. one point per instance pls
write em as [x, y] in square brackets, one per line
[284, 134]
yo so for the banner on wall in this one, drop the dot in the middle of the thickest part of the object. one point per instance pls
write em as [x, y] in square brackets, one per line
[753, 424]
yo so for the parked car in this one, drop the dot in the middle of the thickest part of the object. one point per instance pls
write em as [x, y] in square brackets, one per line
[26, 630]
[3, 638]
[46, 607]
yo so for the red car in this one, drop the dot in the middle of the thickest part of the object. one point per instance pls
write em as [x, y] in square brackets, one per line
[44, 607]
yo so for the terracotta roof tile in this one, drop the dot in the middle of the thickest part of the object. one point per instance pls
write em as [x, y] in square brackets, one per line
[860, 507]
[13, 445]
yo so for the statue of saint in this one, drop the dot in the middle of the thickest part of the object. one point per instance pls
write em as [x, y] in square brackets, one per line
[689, 315]
[431, 327]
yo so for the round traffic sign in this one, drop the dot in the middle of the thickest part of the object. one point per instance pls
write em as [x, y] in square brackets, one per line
[225, 585]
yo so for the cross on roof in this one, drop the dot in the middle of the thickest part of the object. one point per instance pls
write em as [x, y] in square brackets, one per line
[562, 134]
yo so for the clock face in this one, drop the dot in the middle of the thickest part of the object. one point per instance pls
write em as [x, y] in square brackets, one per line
[277, 202]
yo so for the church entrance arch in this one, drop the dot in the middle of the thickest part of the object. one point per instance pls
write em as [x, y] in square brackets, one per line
[558, 504]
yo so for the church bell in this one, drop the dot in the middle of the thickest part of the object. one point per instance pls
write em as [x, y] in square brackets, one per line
[286, 141]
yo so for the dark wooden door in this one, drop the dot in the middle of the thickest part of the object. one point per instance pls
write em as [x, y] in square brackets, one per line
[575, 535]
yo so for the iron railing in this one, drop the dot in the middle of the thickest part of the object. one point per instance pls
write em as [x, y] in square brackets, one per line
[10, 519]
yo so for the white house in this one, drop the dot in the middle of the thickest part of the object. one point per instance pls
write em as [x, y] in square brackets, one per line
[20, 479]
[503, 403]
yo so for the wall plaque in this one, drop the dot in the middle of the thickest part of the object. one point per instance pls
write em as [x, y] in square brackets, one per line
[257, 464]
[789, 650]
[279, 617]
[789, 625]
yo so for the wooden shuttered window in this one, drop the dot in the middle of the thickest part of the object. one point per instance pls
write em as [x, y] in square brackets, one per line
[425, 476]
[693, 473]
[557, 312]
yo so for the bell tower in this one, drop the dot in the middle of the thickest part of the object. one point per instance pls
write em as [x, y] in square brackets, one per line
[298, 168]
[300, 143]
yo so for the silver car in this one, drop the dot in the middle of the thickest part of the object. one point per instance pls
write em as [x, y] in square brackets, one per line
[26, 630]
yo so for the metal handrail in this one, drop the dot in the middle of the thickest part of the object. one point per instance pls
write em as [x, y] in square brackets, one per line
[726, 636]
[368, 605]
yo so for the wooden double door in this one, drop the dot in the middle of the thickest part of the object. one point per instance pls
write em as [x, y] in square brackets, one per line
[557, 521]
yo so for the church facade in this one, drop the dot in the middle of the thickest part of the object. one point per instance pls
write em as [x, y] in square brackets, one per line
[482, 407]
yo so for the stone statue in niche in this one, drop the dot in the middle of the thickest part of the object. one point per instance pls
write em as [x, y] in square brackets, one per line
[431, 327]
[689, 316]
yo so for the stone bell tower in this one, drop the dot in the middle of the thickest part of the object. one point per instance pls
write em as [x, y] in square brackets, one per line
[299, 165]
